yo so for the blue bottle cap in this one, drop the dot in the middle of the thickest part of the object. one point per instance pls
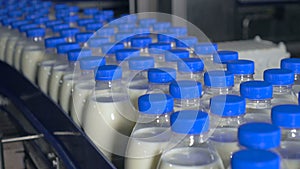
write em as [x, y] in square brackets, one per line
[73, 9]
[83, 22]
[129, 18]
[189, 122]
[60, 6]
[18, 23]
[57, 27]
[291, 64]
[159, 48]
[15, 13]
[124, 54]
[241, 67]
[83, 36]
[225, 56]
[54, 41]
[185, 89]
[228, 105]
[258, 159]
[41, 20]
[123, 36]
[32, 16]
[147, 22]
[3, 11]
[161, 75]
[186, 42]
[141, 30]
[97, 41]
[140, 42]
[175, 55]
[287, 116]
[126, 27]
[93, 26]
[7, 21]
[91, 62]
[61, 14]
[51, 23]
[166, 37]
[77, 54]
[90, 11]
[108, 13]
[279, 76]
[161, 26]
[155, 103]
[106, 31]
[111, 48]
[205, 48]
[71, 18]
[141, 63]
[99, 17]
[65, 47]
[259, 135]
[36, 32]
[108, 72]
[218, 78]
[24, 28]
[256, 90]
[69, 32]
[179, 31]
[47, 4]
[189, 65]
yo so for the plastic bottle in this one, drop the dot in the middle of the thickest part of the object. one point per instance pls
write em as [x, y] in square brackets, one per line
[294, 65]
[282, 81]
[188, 147]
[161, 27]
[190, 69]
[109, 51]
[157, 51]
[205, 51]
[151, 133]
[228, 112]
[159, 79]
[82, 38]
[258, 95]
[243, 71]
[95, 44]
[123, 37]
[69, 34]
[222, 57]
[107, 32]
[141, 43]
[109, 100]
[287, 117]
[122, 56]
[187, 42]
[93, 27]
[180, 31]
[173, 56]
[186, 94]
[216, 82]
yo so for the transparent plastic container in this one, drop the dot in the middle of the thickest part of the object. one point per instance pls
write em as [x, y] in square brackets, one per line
[157, 51]
[187, 42]
[159, 79]
[122, 56]
[69, 34]
[82, 38]
[109, 51]
[190, 69]
[294, 65]
[224, 56]
[173, 56]
[141, 43]
[95, 44]
[205, 51]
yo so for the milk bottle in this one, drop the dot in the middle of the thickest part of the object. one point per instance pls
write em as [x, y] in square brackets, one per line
[122, 55]
[158, 50]
[159, 79]
[109, 51]
[137, 78]
[83, 85]
[294, 65]
[188, 147]
[228, 111]
[151, 133]
[258, 159]
[83, 37]
[173, 56]
[282, 81]
[216, 82]
[108, 113]
[95, 44]
[186, 94]
[258, 96]
[243, 71]
[222, 57]
[69, 34]
[190, 69]
[287, 117]
[205, 51]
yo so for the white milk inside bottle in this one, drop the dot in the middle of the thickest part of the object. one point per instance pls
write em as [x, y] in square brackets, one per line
[151, 133]
[190, 69]
[159, 79]
[294, 65]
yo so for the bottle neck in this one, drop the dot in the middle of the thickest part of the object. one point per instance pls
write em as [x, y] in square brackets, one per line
[107, 84]
[154, 120]
[282, 88]
[187, 103]
[218, 90]
[243, 78]
[188, 140]
[230, 121]
[259, 104]
[290, 134]
[37, 39]
[159, 87]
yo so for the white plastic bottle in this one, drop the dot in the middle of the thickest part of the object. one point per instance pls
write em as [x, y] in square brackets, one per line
[216, 82]
[222, 57]
[159, 79]
[294, 65]
[287, 117]
[282, 81]
[186, 94]
[190, 69]
[188, 147]
[151, 133]
[258, 96]
[228, 112]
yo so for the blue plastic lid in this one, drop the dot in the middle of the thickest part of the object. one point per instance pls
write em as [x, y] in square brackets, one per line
[100, 17]
[126, 27]
[161, 75]
[24, 28]
[97, 41]
[83, 37]
[218, 78]
[256, 90]
[141, 30]
[108, 72]
[124, 54]
[51, 23]
[18, 23]
[69, 32]
[108, 13]
[61, 14]
[147, 22]
[291, 64]
[93, 26]
[60, 6]
[175, 55]
[65, 47]
[90, 11]
[15, 13]
[129, 18]
[241, 67]
[185, 89]
[259, 135]
[123, 36]
[71, 18]
[83, 22]
[77, 54]
[189, 65]
[91, 62]
[186, 42]
[140, 42]
[287, 116]
[225, 56]
[32, 16]
[279, 76]
[36, 32]
[228, 105]
[54, 41]
[41, 20]
[141, 63]
[106, 31]
[189, 122]
[179, 31]
[159, 48]
[161, 26]
[7, 21]
[255, 159]
[155, 103]
[57, 27]
[111, 48]
[73, 9]
[205, 48]
[166, 37]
